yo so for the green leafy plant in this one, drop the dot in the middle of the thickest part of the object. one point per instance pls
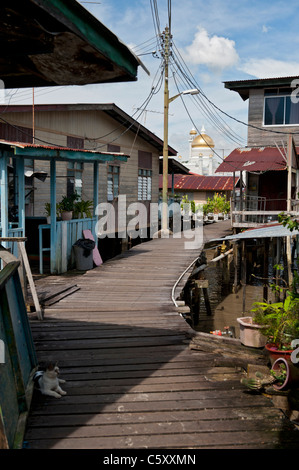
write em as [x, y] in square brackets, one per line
[279, 374]
[218, 204]
[83, 207]
[185, 200]
[287, 220]
[280, 320]
[48, 209]
[67, 203]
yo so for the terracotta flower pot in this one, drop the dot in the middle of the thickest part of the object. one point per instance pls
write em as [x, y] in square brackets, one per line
[275, 353]
[67, 215]
[292, 373]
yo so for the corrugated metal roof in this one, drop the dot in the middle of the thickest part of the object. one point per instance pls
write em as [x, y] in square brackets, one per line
[52, 152]
[254, 159]
[201, 183]
[270, 231]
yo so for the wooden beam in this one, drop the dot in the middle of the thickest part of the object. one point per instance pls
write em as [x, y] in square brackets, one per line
[21, 192]
[53, 216]
[30, 280]
[4, 195]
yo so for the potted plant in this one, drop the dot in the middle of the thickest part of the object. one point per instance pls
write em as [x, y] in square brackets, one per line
[280, 371]
[48, 211]
[280, 323]
[285, 372]
[67, 205]
[83, 208]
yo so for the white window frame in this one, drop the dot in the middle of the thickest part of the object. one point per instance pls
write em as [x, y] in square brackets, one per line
[278, 95]
[144, 184]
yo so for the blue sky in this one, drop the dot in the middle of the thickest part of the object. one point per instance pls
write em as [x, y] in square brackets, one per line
[217, 40]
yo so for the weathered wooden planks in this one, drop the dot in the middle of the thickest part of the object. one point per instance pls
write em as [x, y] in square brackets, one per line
[132, 380]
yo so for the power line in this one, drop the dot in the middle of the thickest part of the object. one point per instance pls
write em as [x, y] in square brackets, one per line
[182, 67]
[194, 83]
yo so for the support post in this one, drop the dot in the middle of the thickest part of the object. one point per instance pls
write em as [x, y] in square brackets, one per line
[53, 216]
[4, 196]
[244, 275]
[289, 206]
[21, 193]
[266, 267]
[95, 194]
[165, 142]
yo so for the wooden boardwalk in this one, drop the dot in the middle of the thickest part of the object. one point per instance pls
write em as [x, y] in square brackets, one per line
[132, 380]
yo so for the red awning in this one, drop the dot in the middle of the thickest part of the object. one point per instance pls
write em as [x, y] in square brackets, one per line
[254, 159]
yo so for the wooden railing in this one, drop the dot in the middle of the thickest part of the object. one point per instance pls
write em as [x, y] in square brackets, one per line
[18, 359]
[67, 233]
[252, 211]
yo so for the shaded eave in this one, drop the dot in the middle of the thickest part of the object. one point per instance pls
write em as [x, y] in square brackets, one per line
[43, 152]
[110, 109]
[266, 231]
[243, 86]
[174, 166]
[58, 42]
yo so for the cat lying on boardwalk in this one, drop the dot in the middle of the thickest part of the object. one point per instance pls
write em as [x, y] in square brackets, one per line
[48, 381]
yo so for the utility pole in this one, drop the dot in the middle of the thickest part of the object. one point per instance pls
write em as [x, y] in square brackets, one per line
[165, 142]
[166, 39]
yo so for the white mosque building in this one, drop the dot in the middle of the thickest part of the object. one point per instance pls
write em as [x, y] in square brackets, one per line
[201, 159]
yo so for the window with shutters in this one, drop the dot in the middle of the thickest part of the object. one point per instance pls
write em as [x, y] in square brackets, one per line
[144, 176]
[74, 169]
[144, 185]
[74, 178]
[113, 182]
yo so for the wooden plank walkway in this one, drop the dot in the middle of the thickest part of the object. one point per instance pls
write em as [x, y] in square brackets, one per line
[133, 382]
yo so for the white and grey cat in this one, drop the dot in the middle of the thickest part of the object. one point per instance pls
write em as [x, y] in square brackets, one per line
[48, 381]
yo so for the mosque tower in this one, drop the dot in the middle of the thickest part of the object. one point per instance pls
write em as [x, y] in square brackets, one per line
[201, 153]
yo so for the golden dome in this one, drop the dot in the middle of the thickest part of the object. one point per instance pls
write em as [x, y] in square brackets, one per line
[193, 132]
[203, 140]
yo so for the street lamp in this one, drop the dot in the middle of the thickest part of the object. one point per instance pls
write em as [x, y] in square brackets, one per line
[168, 100]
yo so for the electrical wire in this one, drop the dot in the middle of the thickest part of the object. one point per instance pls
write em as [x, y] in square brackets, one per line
[195, 84]
[183, 69]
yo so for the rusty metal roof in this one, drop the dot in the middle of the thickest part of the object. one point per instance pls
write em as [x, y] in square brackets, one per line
[201, 183]
[40, 152]
[254, 159]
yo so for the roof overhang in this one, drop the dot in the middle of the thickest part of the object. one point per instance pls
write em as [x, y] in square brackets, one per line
[42, 152]
[174, 167]
[243, 86]
[58, 42]
[270, 231]
[257, 159]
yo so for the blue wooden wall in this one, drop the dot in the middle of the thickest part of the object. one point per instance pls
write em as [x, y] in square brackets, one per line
[19, 361]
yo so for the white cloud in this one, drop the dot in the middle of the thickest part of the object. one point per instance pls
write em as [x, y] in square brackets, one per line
[215, 52]
[267, 68]
[265, 29]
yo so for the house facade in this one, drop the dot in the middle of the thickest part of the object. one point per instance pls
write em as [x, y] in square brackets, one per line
[269, 162]
[92, 127]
